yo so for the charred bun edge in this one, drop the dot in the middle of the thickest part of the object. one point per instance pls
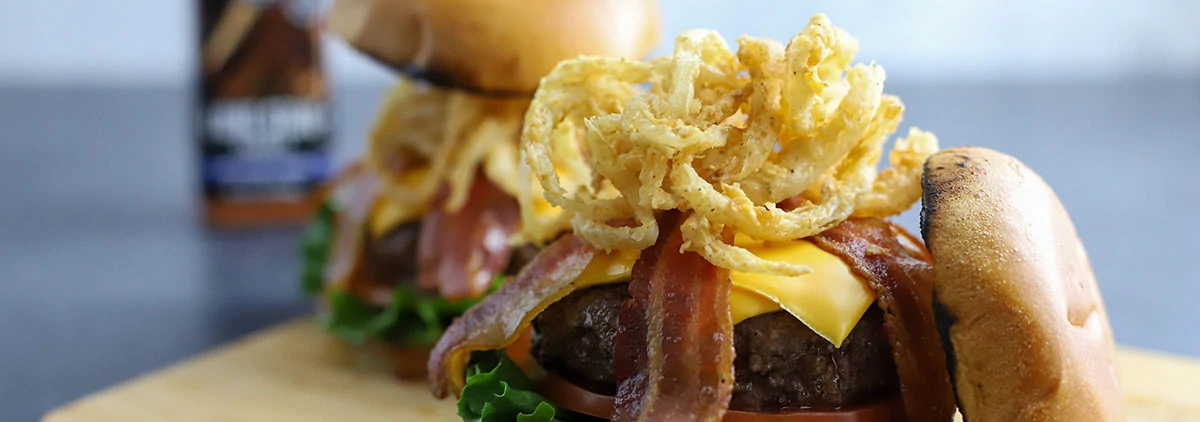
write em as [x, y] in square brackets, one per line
[973, 211]
[933, 192]
[942, 316]
[487, 47]
[444, 78]
[944, 320]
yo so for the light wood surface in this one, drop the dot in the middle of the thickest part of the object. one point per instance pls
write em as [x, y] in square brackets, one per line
[294, 372]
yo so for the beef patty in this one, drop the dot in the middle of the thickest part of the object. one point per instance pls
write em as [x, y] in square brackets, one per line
[391, 259]
[780, 363]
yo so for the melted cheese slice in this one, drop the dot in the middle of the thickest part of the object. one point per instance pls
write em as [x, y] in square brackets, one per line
[389, 213]
[830, 300]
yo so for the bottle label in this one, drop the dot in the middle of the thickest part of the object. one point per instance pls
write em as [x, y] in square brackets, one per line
[264, 119]
[265, 148]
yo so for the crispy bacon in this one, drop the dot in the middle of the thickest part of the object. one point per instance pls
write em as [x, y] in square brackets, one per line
[673, 355]
[459, 252]
[904, 284]
[354, 191]
[499, 319]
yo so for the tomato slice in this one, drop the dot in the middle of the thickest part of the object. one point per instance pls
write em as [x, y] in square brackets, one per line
[574, 398]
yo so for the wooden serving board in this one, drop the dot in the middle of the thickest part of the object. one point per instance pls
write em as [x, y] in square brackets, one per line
[296, 373]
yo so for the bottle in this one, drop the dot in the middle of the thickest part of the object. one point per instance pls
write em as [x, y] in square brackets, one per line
[263, 115]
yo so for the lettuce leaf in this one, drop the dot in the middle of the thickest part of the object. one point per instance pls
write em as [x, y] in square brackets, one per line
[413, 318]
[498, 391]
[318, 239]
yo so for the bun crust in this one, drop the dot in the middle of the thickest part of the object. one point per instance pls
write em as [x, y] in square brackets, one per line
[493, 46]
[1028, 336]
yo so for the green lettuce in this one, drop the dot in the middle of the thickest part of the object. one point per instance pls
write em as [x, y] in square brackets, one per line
[498, 391]
[318, 239]
[412, 318]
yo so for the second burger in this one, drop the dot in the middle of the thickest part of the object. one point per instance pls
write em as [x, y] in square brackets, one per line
[423, 225]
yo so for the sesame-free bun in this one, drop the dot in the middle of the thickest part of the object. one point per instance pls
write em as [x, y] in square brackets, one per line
[1027, 335]
[493, 46]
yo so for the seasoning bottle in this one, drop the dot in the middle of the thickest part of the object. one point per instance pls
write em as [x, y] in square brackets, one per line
[263, 118]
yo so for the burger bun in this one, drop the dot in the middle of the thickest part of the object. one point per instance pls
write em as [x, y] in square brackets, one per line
[1022, 320]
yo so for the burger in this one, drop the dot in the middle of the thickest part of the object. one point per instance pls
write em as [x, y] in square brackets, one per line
[731, 257]
[423, 225]
[496, 47]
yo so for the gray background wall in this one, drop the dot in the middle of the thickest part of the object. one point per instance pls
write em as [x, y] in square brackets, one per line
[139, 41]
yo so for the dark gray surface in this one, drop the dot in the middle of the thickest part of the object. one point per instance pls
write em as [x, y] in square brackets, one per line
[106, 275]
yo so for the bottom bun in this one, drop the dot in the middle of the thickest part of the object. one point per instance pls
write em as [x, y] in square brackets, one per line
[1026, 331]
[410, 363]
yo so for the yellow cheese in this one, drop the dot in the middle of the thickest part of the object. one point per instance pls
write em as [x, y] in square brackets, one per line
[389, 213]
[543, 209]
[608, 268]
[830, 300]
[745, 304]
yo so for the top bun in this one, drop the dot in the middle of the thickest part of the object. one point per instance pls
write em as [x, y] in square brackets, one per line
[1026, 331]
[493, 46]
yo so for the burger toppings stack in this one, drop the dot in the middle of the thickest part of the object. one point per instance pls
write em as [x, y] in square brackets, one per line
[728, 256]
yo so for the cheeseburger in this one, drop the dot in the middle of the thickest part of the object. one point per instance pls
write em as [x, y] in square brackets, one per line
[423, 225]
[730, 257]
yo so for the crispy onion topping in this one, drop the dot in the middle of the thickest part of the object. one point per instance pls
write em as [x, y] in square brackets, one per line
[725, 135]
[450, 135]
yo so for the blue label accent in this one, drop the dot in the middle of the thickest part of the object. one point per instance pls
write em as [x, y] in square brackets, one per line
[292, 168]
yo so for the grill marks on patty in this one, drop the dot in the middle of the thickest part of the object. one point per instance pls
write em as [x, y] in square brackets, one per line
[780, 362]
[574, 336]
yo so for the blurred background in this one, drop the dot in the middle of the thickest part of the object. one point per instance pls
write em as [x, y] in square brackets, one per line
[108, 271]
[140, 42]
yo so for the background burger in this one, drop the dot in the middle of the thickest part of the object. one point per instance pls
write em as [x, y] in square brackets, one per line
[422, 227]
[731, 258]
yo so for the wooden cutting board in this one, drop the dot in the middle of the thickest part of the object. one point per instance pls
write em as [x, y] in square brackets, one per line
[294, 372]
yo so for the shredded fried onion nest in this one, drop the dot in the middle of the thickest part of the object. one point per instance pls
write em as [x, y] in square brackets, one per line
[726, 135]
[448, 136]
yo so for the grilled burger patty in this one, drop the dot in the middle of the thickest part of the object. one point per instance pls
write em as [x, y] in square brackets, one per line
[391, 259]
[574, 336]
[780, 362]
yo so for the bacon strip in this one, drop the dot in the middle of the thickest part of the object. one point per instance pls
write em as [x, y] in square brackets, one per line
[459, 253]
[904, 285]
[673, 355]
[354, 193]
[498, 320]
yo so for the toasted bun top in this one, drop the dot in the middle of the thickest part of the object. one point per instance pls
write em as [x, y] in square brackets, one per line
[1028, 335]
[493, 46]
